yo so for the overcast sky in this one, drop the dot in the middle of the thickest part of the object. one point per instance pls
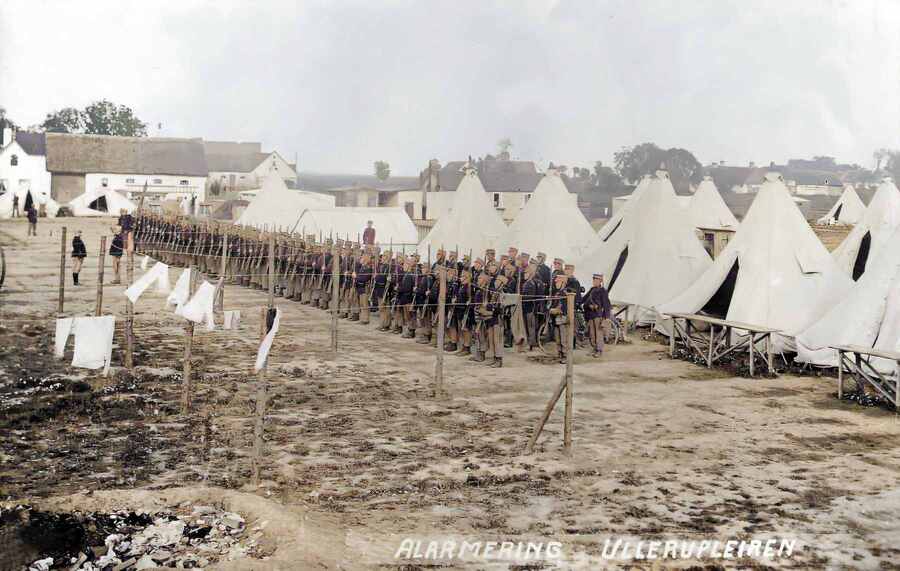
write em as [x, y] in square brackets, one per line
[343, 84]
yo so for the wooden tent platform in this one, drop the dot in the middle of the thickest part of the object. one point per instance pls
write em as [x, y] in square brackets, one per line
[855, 360]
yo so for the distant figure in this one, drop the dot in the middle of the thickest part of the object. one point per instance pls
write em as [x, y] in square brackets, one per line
[32, 221]
[126, 222]
[369, 234]
[115, 250]
[15, 212]
[79, 253]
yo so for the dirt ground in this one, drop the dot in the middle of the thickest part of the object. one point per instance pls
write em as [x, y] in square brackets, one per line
[361, 453]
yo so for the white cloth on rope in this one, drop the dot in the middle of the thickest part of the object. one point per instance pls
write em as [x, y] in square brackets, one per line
[200, 307]
[145, 262]
[182, 290]
[266, 344]
[63, 330]
[93, 342]
[159, 274]
[232, 319]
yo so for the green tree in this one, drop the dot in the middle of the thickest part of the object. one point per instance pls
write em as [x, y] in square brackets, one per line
[382, 170]
[632, 163]
[66, 120]
[106, 118]
[5, 121]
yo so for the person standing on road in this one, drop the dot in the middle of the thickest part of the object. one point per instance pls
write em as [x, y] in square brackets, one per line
[32, 221]
[126, 222]
[115, 251]
[79, 253]
[15, 212]
[369, 234]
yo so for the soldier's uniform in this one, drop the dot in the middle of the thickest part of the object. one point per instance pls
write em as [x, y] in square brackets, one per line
[597, 308]
[363, 276]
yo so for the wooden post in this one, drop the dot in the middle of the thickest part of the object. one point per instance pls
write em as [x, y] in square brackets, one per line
[570, 339]
[547, 410]
[101, 259]
[335, 292]
[129, 313]
[751, 352]
[672, 337]
[188, 348]
[441, 308]
[62, 270]
[220, 300]
[262, 388]
[712, 338]
[770, 353]
[840, 380]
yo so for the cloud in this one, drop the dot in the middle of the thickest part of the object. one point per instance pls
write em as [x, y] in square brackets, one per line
[344, 84]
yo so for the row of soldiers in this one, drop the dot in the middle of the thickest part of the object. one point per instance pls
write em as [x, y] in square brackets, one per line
[491, 303]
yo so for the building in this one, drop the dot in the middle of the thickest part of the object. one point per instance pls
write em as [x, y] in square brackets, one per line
[168, 168]
[23, 163]
[241, 166]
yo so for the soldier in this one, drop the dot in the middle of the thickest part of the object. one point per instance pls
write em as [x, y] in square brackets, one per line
[362, 275]
[452, 345]
[479, 303]
[463, 314]
[381, 290]
[559, 315]
[493, 322]
[404, 300]
[490, 255]
[532, 290]
[423, 310]
[597, 308]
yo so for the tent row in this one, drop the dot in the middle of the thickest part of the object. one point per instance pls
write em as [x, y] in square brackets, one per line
[97, 202]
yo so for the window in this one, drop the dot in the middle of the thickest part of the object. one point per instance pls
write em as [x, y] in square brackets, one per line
[157, 181]
[243, 177]
[183, 182]
[104, 182]
[129, 181]
[527, 197]
[14, 161]
[497, 202]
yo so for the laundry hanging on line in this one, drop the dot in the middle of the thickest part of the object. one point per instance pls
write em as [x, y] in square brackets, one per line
[93, 340]
[232, 319]
[200, 307]
[159, 274]
[273, 318]
[182, 290]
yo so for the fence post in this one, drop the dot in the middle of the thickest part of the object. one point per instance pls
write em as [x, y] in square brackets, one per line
[129, 314]
[188, 349]
[335, 293]
[442, 316]
[62, 270]
[570, 340]
[101, 259]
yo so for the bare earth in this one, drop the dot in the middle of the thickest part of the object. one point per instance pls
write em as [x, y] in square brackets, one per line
[361, 453]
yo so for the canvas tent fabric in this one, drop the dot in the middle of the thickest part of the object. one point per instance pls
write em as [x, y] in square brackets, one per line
[277, 206]
[392, 225]
[773, 273]
[100, 202]
[551, 223]
[849, 209]
[6, 202]
[865, 241]
[650, 253]
[472, 224]
[708, 210]
[869, 316]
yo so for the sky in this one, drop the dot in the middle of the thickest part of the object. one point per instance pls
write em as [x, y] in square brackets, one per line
[341, 84]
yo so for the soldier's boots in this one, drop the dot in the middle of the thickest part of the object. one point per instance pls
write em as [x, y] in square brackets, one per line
[397, 330]
[477, 356]
[450, 347]
[354, 318]
[497, 363]
[424, 339]
[410, 334]
[464, 351]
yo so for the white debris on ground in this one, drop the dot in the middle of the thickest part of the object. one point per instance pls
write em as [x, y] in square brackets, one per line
[183, 539]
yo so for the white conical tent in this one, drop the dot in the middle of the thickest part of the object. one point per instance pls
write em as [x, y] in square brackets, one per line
[650, 254]
[101, 202]
[619, 212]
[392, 225]
[869, 316]
[6, 202]
[472, 223]
[864, 242]
[277, 206]
[849, 209]
[774, 272]
[551, 223]
[708, 210]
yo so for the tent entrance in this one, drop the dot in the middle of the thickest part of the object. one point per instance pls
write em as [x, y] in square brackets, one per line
[718, 304]
[837, 213]
[99, 203]
[862, 256]
[619, 265]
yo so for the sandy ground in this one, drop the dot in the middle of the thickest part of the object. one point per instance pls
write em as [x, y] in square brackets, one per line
[359, 445]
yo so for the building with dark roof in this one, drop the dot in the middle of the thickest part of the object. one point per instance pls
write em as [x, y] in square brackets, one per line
[23, 163]
[242, 166]
[166, 168]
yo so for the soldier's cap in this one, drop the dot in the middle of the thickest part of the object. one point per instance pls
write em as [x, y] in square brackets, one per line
[504, 257]
[490, 251]
[541, 255]
[525, 255]
[558, 261]
[570, 266]
[598, 276]
[454, 254]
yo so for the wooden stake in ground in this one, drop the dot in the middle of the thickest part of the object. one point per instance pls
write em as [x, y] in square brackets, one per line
[188, 349]
[62, 270]
[442, 316]
[570, 340]
[220, 299]
[335, 292]
[261, 383]
[98, 311]
[129, 314]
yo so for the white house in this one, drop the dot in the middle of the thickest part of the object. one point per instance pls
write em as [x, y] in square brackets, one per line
[241, 166]
[23, 163]
[166, 168]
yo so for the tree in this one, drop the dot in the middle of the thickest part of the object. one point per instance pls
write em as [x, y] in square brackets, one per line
[66, 120]
[5, 121]
[504, 146]
[106, 118]
[892, 166]
[382, 170]
[632, 163]
[99, 118]
[880, 155]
